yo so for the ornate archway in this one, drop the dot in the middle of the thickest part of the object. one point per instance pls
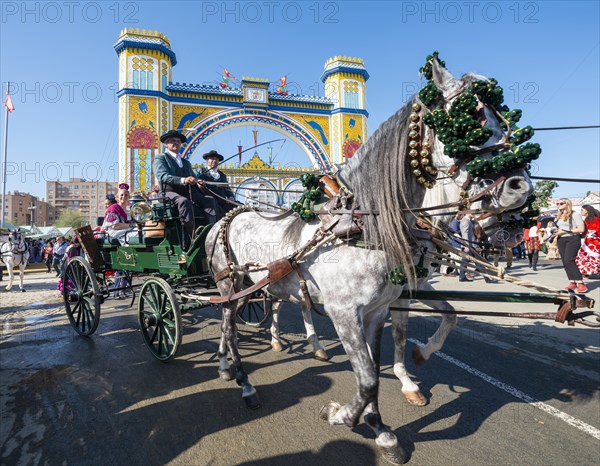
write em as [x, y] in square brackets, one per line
[274, 120]
[329, 129]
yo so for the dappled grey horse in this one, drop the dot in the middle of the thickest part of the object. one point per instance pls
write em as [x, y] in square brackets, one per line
[353, 288]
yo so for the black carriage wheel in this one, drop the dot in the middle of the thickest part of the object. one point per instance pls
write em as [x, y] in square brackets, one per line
[256, 311]
[159, 318]
[81, 296]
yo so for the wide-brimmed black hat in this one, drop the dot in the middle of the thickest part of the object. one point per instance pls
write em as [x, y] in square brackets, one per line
[173, 134]
[213, 153]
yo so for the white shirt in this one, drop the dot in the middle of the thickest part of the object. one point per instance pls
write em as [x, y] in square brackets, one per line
[214, 172]
[177, 158]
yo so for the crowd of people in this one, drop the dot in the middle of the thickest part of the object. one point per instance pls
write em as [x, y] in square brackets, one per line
[571, 236]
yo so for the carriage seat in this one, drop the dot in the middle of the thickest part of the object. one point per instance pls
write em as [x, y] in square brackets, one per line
[107, 241]
[163, 209]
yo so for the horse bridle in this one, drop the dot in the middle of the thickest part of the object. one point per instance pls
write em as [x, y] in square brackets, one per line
[14, 249]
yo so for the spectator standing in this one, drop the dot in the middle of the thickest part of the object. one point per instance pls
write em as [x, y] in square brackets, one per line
[588, 258]
[569, 228]
[48, 254]
[60, 247]
[467, 232]
[533, 245]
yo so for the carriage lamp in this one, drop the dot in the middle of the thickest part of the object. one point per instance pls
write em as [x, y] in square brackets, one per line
[141, 212]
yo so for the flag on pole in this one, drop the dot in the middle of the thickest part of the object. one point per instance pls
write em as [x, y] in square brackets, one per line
[255, 132]
[8, 102]
[240, 154]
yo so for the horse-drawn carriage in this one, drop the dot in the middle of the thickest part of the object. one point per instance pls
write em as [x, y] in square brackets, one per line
[454, 147]
[176, 281]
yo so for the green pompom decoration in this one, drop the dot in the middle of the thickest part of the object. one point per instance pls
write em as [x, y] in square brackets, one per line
[461, 133]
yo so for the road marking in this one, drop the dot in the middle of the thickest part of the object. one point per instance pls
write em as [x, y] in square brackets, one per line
[578, 424]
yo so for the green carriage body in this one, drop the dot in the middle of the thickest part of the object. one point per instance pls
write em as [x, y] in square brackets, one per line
[176, 281]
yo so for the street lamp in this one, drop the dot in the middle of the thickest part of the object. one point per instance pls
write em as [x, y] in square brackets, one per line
[32, 208]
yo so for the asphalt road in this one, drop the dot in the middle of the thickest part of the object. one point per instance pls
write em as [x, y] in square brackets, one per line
[502, 391]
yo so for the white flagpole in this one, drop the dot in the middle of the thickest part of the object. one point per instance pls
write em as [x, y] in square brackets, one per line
[4, 162]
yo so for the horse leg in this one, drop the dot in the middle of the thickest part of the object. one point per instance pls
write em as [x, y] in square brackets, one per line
[350, 330]
[229, 329]
[21, 275]
[276, 344]
[311, 336]
[11, 275]
[410, 390]
[436, 341]
[384, 437]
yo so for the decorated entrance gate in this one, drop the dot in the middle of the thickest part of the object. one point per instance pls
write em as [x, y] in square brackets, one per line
[328, 129]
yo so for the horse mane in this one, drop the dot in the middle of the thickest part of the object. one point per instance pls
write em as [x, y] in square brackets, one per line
[380, 177]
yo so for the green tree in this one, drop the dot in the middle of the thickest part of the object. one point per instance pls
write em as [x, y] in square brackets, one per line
[542, 192]
[70, 218]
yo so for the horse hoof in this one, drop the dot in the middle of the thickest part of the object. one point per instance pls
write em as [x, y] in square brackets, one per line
[276, 346]
[418, 356]
[252, 401]
[415, 398]
[225, 374]
[321, 355]
[329, 410]
[22, 290]
[394, 454]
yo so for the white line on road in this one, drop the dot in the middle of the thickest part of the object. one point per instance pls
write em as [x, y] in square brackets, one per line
[582, 426]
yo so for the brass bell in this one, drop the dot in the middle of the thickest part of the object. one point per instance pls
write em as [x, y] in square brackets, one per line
[416, 107]
[413, 126]
[426, 144]
[413, 144]
[421, 180]
[424, 153]
[413, 153]
[414, 117]
[413, 134]
[424, 161]
[414, 163]
[417, 172]
[428, 168]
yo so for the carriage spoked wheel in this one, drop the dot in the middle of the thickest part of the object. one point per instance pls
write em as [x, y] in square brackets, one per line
[257, 310]
[160, 318]
[81, 295]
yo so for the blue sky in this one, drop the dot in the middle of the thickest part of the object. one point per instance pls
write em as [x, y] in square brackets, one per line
[60, 56]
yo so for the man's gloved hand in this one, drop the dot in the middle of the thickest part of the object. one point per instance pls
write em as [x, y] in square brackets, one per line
[189, 180]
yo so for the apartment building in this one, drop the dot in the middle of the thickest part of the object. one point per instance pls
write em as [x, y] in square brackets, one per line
[26, 209]
[80, 194]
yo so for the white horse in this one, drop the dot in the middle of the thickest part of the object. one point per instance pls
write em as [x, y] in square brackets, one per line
[14, 252]
[353, 287]
[500, 236]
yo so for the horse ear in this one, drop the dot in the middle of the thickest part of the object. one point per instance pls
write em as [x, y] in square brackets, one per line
[442, 78]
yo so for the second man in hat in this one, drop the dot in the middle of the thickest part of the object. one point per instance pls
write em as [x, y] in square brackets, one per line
[211, 173]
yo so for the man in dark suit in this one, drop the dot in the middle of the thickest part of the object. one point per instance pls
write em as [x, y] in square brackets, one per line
[178, 182]
[211, 173]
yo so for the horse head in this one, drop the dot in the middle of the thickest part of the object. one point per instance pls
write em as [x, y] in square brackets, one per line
[486, 154]
[16, 240]
[451, 144]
